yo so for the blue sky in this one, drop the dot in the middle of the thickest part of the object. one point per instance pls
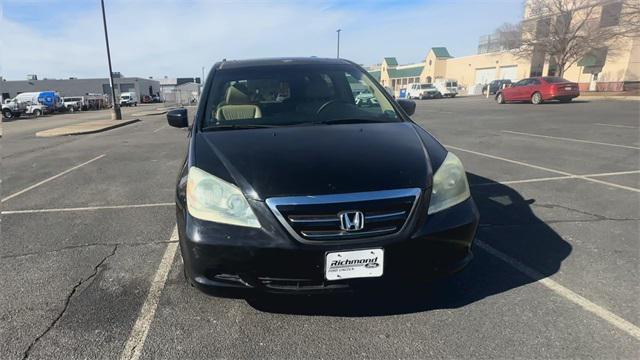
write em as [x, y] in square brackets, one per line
[63, 38]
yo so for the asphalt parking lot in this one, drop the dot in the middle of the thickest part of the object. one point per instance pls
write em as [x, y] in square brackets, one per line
[89, 266]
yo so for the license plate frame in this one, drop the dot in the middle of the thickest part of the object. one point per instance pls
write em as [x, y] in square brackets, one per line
[354, 264]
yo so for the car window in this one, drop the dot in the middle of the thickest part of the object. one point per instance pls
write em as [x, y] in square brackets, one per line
[555, 79]
[533, 82]
[522, 82]
[294, 95]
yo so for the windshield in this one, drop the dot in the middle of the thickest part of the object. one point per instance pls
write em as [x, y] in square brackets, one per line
[426, 86]
[452, 84]
[294, 95]
[555, 79]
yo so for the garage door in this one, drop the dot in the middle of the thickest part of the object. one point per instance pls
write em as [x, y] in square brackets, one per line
[485, 76]
[509, 72]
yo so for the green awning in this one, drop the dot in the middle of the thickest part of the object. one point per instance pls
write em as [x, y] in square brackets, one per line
[595, 58]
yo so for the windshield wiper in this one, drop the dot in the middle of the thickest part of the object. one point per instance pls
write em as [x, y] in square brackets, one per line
[349, 121]
[235, 127]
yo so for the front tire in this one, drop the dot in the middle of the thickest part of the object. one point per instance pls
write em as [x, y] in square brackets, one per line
[500, 99]
[7, 114]
[536, 98]
[37, 113]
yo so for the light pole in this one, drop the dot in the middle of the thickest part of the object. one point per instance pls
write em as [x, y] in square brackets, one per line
[116, 114]
[338, 54]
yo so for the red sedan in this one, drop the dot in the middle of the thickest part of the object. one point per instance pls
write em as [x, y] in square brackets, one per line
[539, 89]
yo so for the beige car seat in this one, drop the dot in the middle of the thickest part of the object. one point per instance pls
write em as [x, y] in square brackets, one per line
[237, 105]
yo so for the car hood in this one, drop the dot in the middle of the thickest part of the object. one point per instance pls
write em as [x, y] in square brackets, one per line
[315, 160]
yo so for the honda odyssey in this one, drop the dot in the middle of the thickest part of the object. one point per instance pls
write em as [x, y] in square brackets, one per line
[291, 185]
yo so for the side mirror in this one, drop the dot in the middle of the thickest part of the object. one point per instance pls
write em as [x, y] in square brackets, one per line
[178, 118]
[409, 106]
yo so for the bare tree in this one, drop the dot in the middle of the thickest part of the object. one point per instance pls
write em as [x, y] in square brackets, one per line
[569, 30]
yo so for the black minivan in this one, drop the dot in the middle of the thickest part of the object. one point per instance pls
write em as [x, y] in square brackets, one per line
[303, 175]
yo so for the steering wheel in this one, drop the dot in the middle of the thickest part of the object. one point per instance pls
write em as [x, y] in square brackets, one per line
[326, 104]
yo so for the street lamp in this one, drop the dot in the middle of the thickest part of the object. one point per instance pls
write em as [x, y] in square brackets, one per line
[338, 54]
[116, 114]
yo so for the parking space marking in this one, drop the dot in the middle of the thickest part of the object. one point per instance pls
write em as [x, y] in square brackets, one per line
[618, 126]
[88, 208]
[160, 128]
[570, 139]
[574, 176]
[613, 173]
[566, 293]
[511, 161]
[523, 181]
[50, 178]
[138, 335]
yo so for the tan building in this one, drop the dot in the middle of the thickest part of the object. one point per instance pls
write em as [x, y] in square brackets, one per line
[614, 70]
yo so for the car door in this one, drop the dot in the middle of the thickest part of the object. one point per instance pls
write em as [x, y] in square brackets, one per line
[514, 92]
[533, 85]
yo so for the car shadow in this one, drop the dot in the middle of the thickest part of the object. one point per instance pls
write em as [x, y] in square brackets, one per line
[549, 102]
[507, 225]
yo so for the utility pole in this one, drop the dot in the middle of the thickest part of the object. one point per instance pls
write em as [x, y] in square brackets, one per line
[338, 54]
[116, 113]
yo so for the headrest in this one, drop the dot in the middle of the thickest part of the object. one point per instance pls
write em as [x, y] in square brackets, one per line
[237, 95]
[318, 88]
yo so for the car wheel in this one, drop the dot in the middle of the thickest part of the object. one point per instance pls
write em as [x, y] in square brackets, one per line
[7, 114]
[536, 98]
[500, 99]
[37, 113]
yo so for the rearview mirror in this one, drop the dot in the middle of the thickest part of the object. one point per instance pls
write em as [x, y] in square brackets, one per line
[409, 106]
[178, 118]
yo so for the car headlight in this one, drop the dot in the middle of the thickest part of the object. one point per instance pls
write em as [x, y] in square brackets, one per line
[450, 185]
[213, 199]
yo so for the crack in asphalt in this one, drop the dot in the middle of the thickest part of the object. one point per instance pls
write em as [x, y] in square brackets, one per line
[597, 216]
[67, 301]
[71, 247]
[488, 225]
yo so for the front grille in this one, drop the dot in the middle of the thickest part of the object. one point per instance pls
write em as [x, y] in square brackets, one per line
[316, 218]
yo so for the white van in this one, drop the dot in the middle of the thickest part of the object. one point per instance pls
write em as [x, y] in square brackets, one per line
[128, 99]
[447, 87]
[422, 91]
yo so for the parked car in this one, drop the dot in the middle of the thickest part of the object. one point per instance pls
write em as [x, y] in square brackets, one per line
[539, 89]
[315, 192]
[447, 87]
[72, 103]
[128, 99]
[495, 85]
[422, 91]
[14, 108]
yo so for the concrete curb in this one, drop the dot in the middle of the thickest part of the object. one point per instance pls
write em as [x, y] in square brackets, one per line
[619, 98]
[89, 127]
[150, 113]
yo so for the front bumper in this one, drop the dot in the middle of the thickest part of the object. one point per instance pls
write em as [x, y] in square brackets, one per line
[219, 258]
[429, 95]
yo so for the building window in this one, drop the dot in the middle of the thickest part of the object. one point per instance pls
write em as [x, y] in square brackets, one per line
[5, 96]
[404, 81]
[610, 14]
[429, 79]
